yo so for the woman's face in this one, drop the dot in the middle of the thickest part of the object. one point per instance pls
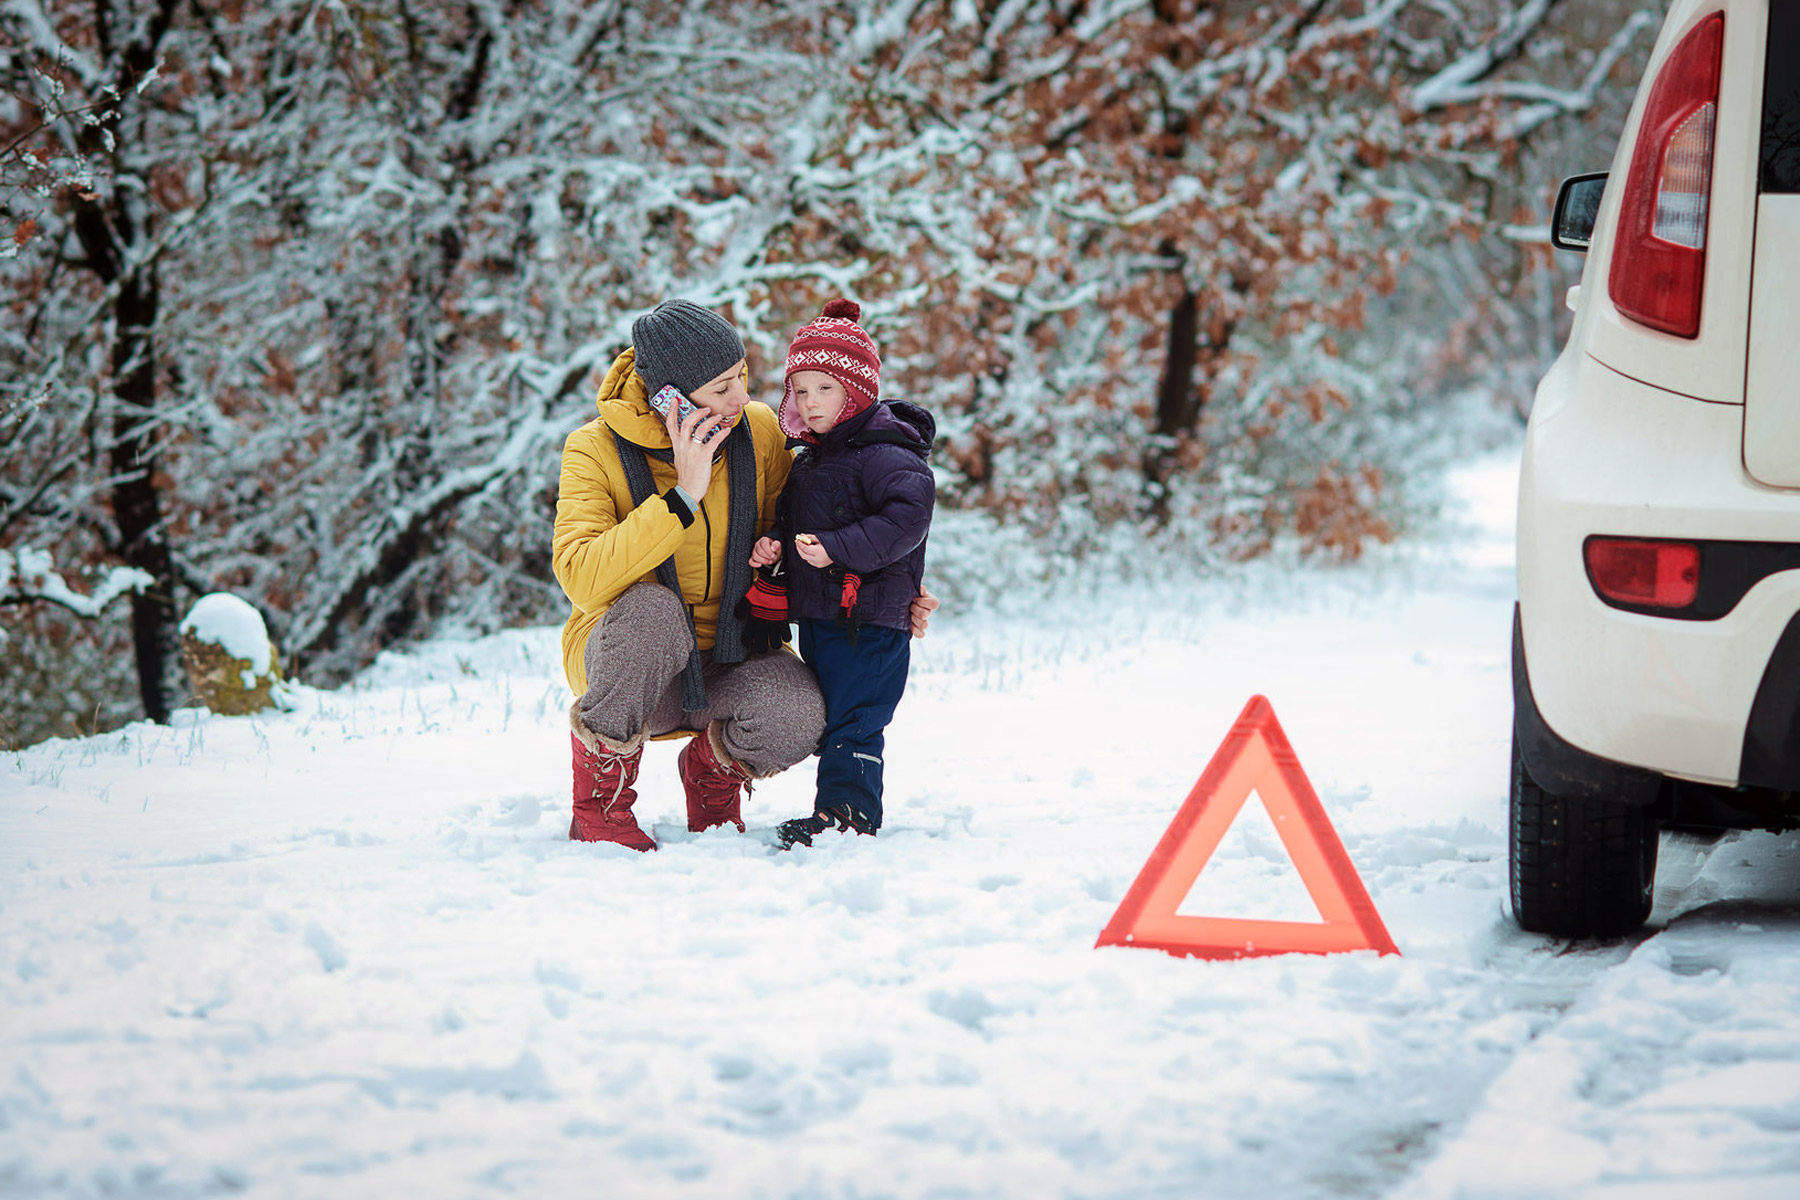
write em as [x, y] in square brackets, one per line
[724, 393]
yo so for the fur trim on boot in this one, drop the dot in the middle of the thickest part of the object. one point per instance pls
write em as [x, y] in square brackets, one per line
[599, 743]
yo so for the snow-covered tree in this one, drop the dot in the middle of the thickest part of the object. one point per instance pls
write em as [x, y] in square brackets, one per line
[320, 288]
[1135, 248]
[88, 404]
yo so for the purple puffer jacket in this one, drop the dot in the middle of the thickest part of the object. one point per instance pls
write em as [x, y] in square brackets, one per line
[866, 492]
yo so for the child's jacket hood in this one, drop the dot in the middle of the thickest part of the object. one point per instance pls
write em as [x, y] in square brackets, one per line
[890, 422]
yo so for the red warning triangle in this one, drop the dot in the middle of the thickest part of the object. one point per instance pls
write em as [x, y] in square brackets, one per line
[1254, 757]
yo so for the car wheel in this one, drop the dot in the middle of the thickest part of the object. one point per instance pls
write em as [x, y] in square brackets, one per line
[1580, 868]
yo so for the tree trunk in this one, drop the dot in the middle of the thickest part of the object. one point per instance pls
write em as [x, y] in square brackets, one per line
[1177, 403]
[112, 238]
[137, 504]
[1177, 399]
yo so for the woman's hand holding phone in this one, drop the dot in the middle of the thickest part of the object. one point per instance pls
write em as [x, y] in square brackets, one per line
[688, 442]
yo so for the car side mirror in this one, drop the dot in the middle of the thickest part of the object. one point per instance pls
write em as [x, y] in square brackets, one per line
[1577, 206]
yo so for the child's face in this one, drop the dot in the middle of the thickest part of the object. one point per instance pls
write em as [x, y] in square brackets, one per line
[820, 399]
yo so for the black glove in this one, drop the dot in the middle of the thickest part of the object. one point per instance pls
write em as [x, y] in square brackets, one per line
[763, 611]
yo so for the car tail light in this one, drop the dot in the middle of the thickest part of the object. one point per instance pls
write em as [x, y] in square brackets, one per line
[1644, 574]
[1659, 256]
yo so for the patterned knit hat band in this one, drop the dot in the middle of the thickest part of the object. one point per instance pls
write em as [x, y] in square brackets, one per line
[835, 344]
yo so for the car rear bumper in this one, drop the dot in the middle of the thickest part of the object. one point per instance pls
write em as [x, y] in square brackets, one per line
[1559, 767]
[1605, 454]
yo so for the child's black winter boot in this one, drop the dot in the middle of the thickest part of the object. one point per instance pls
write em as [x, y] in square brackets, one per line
[802, 830]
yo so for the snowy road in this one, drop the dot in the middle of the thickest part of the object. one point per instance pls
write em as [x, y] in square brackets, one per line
[347, 951]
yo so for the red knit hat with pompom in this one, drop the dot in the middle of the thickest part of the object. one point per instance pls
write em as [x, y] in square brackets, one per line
[834, 343]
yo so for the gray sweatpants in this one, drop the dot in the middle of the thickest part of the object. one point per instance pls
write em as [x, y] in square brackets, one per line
[769, 706]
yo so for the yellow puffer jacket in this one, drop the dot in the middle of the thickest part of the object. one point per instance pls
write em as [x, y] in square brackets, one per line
[602, 545]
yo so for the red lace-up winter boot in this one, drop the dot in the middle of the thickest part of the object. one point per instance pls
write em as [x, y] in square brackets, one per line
[604, 775]
[712, 779]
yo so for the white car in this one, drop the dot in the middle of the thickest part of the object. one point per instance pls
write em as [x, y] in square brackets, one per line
[1656, 644]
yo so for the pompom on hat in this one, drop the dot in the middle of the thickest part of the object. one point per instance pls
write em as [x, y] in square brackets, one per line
[834, 343]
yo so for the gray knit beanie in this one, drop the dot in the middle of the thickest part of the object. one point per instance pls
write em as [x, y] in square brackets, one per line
[681, 343]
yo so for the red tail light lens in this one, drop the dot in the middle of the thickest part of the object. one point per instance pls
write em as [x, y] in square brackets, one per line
[1643, 573]
[1659, 256]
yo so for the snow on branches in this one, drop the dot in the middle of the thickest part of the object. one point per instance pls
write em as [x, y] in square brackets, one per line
[342, 277]
[28, 576]
[1149, 238]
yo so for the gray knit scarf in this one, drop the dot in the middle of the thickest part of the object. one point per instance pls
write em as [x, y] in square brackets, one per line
[740, 533]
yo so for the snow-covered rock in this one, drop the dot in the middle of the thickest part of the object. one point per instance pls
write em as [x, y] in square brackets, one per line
[230, 660]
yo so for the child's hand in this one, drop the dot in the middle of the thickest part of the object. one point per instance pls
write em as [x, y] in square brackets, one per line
[919, 612]
[809, 549]
[766, 552]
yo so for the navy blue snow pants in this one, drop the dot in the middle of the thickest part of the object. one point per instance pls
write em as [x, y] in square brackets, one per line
[861, 685]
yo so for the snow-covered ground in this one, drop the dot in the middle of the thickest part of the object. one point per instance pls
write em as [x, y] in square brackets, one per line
[348, 952]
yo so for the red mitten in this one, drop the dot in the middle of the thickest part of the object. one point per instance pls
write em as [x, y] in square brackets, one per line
[847, 604]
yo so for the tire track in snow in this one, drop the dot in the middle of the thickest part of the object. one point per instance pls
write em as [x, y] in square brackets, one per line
[1674, 1069]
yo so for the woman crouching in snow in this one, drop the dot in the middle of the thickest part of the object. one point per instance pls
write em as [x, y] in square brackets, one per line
[655, 521]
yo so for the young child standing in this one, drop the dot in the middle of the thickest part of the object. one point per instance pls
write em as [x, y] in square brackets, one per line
[850, 527]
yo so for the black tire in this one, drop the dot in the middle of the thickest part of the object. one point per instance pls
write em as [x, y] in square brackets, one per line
[1580, 868]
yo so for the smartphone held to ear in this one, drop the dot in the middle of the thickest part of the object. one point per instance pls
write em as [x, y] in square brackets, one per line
[669, 395]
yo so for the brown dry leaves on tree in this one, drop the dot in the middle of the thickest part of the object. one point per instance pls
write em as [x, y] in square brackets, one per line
[1179, 193]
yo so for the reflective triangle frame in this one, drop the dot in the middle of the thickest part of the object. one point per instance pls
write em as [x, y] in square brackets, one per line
[1254, 757]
